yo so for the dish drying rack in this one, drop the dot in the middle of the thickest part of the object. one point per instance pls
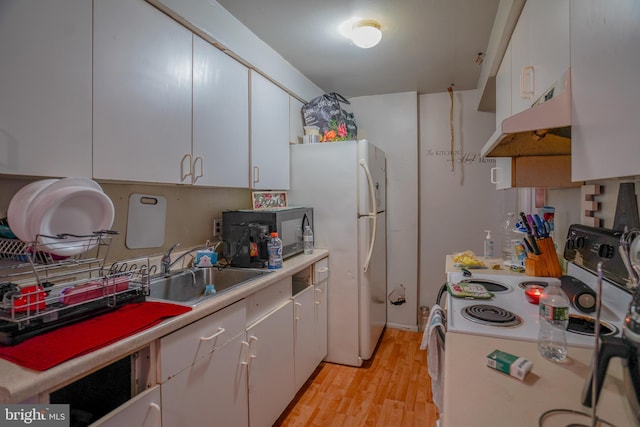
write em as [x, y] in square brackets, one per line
[40, 291]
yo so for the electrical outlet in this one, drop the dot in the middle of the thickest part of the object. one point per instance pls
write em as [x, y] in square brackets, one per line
[217, 227]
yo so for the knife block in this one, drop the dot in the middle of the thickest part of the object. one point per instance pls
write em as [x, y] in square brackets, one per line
[546, 264]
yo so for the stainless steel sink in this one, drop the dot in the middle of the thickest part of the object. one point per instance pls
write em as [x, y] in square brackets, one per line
[190, 286]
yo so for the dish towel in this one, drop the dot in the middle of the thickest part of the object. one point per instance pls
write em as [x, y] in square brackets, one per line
[435, 357]
[52, 348]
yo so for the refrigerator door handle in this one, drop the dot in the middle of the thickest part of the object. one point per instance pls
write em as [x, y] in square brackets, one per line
[372, 214]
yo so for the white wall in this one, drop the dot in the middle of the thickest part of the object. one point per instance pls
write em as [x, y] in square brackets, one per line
[391, 122]
[455, 205]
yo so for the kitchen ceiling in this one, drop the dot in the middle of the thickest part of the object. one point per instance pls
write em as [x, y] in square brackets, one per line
[426, 46]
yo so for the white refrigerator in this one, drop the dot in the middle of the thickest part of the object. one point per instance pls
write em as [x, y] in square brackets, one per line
[345, 183]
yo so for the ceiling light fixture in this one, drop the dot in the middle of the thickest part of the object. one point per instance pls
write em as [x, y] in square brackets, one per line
[366, 33]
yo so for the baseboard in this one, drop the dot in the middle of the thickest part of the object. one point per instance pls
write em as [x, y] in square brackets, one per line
[403, 327]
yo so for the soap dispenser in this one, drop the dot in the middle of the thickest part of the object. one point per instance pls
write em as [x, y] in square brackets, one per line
[488, 245]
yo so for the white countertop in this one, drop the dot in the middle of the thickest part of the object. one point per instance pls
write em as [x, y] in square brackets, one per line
[477, 395]
[18, 383]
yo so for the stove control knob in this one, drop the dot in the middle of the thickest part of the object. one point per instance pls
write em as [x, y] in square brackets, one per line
[580, 242]
[606, 251]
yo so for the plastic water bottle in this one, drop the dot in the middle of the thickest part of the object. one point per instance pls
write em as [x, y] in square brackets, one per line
[307, 237]
[507, 237]
[488, 245]
[274, 251]
[554, 318]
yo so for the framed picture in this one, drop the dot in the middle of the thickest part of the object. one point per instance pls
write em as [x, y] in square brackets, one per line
[269, 199]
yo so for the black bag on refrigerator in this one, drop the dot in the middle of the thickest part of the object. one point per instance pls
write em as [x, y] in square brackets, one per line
[335, 124]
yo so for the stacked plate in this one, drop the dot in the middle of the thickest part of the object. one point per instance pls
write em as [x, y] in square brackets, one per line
[72, 208]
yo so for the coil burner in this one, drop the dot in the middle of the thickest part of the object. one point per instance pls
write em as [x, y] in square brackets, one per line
[523, 285]
[491, 315]
[490, 285]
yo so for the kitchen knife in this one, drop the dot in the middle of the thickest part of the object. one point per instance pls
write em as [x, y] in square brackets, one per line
[525, 223]
[532, 225]
[527, 245]
[534, 245]
[540, 225]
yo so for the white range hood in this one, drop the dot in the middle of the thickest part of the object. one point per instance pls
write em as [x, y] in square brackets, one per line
[543, 129]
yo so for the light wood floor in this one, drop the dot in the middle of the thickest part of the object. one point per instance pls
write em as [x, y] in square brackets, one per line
[391, 389]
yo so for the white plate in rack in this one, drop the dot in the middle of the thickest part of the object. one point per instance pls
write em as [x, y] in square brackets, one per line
[76, 210]
[19, 208]
[72, 182]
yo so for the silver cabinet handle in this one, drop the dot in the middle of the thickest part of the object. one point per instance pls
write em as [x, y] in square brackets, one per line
[219, 332]
[527, 82]
[298, 308]
[156, 408]
[252, 339]
[201, 174]
[246, 361]
[183, 174]
[494, 175]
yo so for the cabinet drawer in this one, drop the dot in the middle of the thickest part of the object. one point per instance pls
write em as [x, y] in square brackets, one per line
[265, 301]
[191, 343]
[320, 271]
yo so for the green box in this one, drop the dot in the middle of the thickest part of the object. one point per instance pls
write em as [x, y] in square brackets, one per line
[510, 364]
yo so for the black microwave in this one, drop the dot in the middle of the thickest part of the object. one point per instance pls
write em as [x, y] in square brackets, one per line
[245, 233]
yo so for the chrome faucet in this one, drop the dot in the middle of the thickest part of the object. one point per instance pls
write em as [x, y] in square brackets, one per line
[166, 258]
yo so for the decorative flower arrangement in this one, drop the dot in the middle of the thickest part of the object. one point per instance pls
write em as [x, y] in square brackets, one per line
[336, 132]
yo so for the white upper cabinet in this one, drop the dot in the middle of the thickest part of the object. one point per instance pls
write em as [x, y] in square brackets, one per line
[296, 128]
[605, 59]
[501, 173]
[269, 135]
[45, 87]
[142, 94]
[539, 50]
[220, 118]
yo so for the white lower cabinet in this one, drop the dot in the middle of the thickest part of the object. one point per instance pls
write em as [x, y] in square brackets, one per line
[310, 326]
[243, 365]
[271, 374]
[211, 392]
[141, 411]
[203, 371]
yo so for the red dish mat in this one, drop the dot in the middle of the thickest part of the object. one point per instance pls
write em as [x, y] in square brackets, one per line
[52, 348]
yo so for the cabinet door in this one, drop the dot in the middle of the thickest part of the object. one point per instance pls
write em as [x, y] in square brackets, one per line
[321, 321]
[142, 93]
[271, 373]
[296, 128]
[540, 50]
[501, 173]
[141, 411]
[605, 59]
[185, 346]
[269, 135]
[212, 392]
[305, 337]
[45, 87]
[220, 118]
